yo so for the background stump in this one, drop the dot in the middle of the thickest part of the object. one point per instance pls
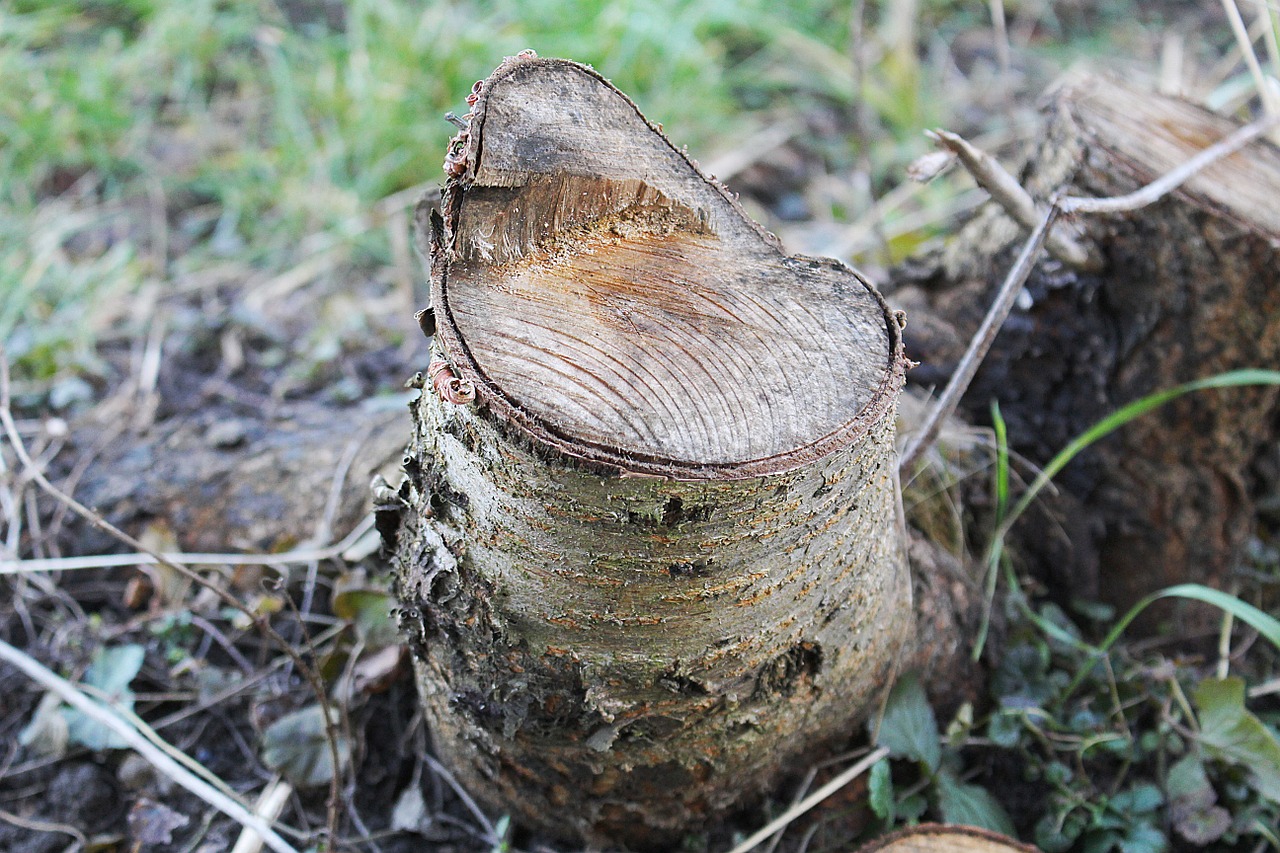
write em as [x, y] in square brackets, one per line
[1190, 288]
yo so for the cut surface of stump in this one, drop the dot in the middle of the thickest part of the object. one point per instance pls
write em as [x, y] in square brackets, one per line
[655, 563]
[605, 295]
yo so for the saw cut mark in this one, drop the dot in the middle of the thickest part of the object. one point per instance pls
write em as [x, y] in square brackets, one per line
[604, 294]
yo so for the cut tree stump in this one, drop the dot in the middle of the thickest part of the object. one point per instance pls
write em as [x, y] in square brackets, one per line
[651, 555]
[937, 838]
[1190, 288]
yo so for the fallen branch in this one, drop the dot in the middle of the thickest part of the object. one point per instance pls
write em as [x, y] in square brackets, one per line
[140, 558]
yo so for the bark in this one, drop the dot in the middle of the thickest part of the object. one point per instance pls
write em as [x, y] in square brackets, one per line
[659, 559]
[1190, 288]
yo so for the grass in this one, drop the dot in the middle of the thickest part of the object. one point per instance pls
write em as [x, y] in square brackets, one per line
[149, 142]
[153, 147]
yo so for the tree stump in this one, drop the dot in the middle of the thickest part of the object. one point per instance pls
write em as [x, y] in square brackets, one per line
[651, 552]
[1190, 288]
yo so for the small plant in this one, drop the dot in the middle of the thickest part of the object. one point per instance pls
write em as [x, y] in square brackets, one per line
[1122, 750]
[930, 775]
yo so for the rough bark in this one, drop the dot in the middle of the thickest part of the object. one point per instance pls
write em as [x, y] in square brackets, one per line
[659, 560]
[1190, 288]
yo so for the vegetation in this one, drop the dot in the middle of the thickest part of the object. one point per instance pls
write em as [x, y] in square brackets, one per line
[239, 172]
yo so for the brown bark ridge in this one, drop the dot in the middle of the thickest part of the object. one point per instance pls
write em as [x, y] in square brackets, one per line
[658, 560]
[1190, 288]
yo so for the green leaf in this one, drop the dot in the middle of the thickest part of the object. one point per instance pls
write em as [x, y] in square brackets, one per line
[297, 746]
[909, 729]
[1005, 728]
[971, 805]
[1265, 624]
[1193, 809]
[1140, 799]
[110, 672]
[880, 791]
[1230, 732]
[912, 808]
[1144, 838]
[1055, 833]
[114, 668]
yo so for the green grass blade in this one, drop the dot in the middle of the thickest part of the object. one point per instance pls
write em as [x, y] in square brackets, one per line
[1124, 415]
[1265, 624]
[1104, 427]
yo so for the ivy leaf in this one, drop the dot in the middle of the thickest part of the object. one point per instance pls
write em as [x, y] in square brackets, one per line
[367, 606]
[971, 805]
[909, 728]
[1144, 838]
[880, 791]
[1055, 833]
[1140, 799]
[1193, 808]
[1230, 732]
[111, 671]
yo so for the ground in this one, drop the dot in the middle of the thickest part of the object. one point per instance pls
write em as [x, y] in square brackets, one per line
[205, 209]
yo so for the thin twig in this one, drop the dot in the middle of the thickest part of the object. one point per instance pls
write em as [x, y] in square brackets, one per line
[106, 561]
[1010, 195]
[324, 529]
[1270, 103]
[924, 437]
[270, 803]
[1171, 180]
[787, 817]
[105, 716]
[36, 825]
[443, 772]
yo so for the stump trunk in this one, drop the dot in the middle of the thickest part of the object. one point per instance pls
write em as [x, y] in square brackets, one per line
[659, 558]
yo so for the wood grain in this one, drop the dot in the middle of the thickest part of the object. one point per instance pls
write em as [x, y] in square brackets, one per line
[606, 296]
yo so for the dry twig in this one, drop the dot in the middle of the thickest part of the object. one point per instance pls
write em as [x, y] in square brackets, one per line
[789, 816]
[261, 622]
[139, 558]
[1010, 195]
[980, 344]
[1175, 178]
[157, 757]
